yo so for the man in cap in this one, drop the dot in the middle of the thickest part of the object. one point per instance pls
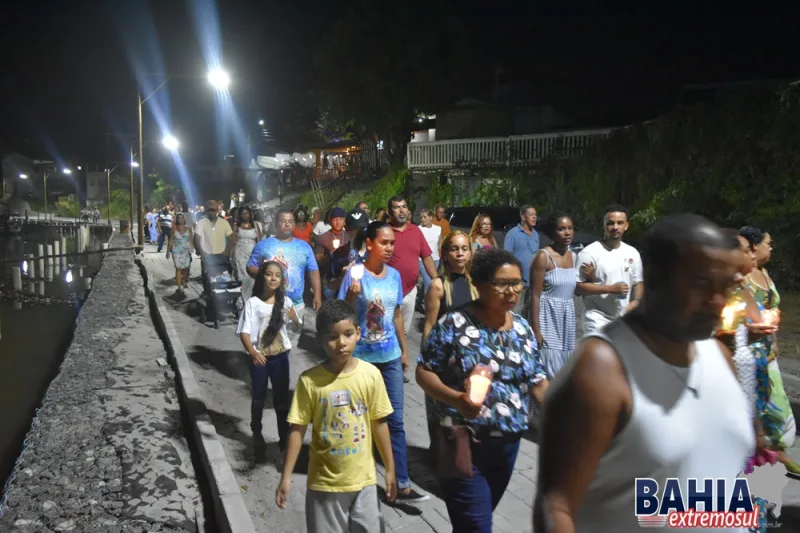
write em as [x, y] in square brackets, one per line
[344, 256]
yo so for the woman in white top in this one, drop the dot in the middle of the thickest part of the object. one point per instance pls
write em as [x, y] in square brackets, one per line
[433, 236]
[262, 330]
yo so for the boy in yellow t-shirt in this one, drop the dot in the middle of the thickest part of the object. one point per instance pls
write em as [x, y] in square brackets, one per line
[345, 401]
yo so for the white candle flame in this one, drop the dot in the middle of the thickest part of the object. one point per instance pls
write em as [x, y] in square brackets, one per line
[357, 271]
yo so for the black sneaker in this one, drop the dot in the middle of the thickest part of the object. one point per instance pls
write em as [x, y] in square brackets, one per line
[411, 496]
[405, 379]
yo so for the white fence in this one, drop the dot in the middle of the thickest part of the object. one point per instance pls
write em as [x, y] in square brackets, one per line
[516, 150]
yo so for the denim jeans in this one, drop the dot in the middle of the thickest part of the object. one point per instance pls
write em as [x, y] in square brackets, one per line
[328, 294]
[276, 371]
[392, 373]
[470, 502]
[163, 236]
[426, 279]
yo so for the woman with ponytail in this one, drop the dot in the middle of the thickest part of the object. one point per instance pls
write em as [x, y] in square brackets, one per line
[262, 330]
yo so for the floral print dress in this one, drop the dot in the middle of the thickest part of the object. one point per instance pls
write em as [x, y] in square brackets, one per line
[772, 402]
[459, 342]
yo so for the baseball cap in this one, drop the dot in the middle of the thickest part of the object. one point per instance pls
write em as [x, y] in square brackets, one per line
[336, 212]
[356, 219]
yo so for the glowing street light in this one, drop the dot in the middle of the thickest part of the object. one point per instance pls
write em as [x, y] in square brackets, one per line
[67, 171]
[261, 122]
[219, 79]
[171, 143]
[23, 176]
[134, 164]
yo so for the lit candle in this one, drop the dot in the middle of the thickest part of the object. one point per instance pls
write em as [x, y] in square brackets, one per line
[479, 382]
[357, 271]
[771, 316]
[335, 244]
[730, 315]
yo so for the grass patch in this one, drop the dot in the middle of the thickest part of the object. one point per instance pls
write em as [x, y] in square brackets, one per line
[789, 334]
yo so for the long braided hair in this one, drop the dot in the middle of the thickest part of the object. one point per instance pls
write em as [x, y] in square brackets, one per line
[276, 321]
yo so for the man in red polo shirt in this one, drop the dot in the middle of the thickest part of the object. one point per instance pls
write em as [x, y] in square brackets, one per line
[410, 246]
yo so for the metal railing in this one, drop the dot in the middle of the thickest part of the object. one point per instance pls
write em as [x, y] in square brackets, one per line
[517, 150]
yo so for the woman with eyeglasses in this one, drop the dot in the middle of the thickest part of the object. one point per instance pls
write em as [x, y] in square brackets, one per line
[772, 401]
[481, 233]
[479, 438]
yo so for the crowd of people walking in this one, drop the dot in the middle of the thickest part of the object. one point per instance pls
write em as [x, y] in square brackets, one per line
[659, 384]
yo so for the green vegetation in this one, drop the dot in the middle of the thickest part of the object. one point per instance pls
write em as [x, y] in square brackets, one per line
[329, 196]
[163, 191]
[393, 183]
[735, 160]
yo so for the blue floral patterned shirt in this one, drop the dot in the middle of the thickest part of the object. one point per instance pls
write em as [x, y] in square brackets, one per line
[459, 342]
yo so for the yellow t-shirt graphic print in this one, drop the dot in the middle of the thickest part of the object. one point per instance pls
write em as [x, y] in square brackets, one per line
[340, 409]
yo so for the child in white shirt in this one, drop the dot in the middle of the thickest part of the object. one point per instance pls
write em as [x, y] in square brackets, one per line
[262, 330]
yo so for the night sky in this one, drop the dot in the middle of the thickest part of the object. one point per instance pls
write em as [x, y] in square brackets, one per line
[68, 65]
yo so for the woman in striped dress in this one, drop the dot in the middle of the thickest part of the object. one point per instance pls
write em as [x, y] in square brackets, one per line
[553, 278]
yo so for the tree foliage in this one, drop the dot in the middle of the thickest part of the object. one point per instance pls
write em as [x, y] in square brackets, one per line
[382, 66]
[330, 127]
[162, 190]
[735, 159]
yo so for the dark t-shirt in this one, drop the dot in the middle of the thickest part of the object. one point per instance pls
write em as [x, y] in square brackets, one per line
[325, 242]
[340, 258]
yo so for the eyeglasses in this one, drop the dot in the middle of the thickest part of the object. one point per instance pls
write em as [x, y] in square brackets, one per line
[502, 287]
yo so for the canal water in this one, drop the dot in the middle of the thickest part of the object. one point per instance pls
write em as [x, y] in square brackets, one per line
[36, 328]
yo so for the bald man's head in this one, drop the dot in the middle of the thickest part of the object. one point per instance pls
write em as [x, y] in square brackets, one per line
[689, 265]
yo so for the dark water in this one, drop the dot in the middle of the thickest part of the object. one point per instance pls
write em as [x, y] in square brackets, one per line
[36, 330]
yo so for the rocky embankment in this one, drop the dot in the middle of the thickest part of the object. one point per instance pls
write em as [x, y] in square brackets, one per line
[106, 451]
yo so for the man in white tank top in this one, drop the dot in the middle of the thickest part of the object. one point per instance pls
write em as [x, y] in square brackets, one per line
[651, 396]
[609, 273]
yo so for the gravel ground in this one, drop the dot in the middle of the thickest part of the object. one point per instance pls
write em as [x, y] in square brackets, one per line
[106, 452]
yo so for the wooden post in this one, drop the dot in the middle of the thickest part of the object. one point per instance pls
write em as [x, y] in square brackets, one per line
[16, 277]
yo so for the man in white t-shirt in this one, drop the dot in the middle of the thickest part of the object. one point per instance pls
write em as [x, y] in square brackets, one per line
[433, 236]
[609, 273]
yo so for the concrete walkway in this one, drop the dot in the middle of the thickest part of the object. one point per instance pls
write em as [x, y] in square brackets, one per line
[220, 367]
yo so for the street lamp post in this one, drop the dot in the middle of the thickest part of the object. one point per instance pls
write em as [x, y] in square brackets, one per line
[108, 191]
[133, 164]
[219, 79]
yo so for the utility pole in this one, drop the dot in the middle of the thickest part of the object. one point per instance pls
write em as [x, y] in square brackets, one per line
[140, 218]
[130, 223]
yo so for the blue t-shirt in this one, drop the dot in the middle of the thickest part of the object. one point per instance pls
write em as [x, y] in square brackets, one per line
[459, 342]
[375, 308]
[296, 253]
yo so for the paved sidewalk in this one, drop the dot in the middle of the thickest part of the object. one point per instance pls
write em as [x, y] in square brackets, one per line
[220, 366]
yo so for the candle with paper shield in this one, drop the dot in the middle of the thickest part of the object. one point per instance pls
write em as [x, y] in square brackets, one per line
[357, 272]
[771, 316]
[479, 382]
[336, 244]
[733, 313]
[730, 315]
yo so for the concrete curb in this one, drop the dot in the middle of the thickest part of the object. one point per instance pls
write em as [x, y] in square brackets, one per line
[230, 511]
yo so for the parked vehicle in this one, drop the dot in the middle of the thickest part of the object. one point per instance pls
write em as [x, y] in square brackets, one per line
[505, 218]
